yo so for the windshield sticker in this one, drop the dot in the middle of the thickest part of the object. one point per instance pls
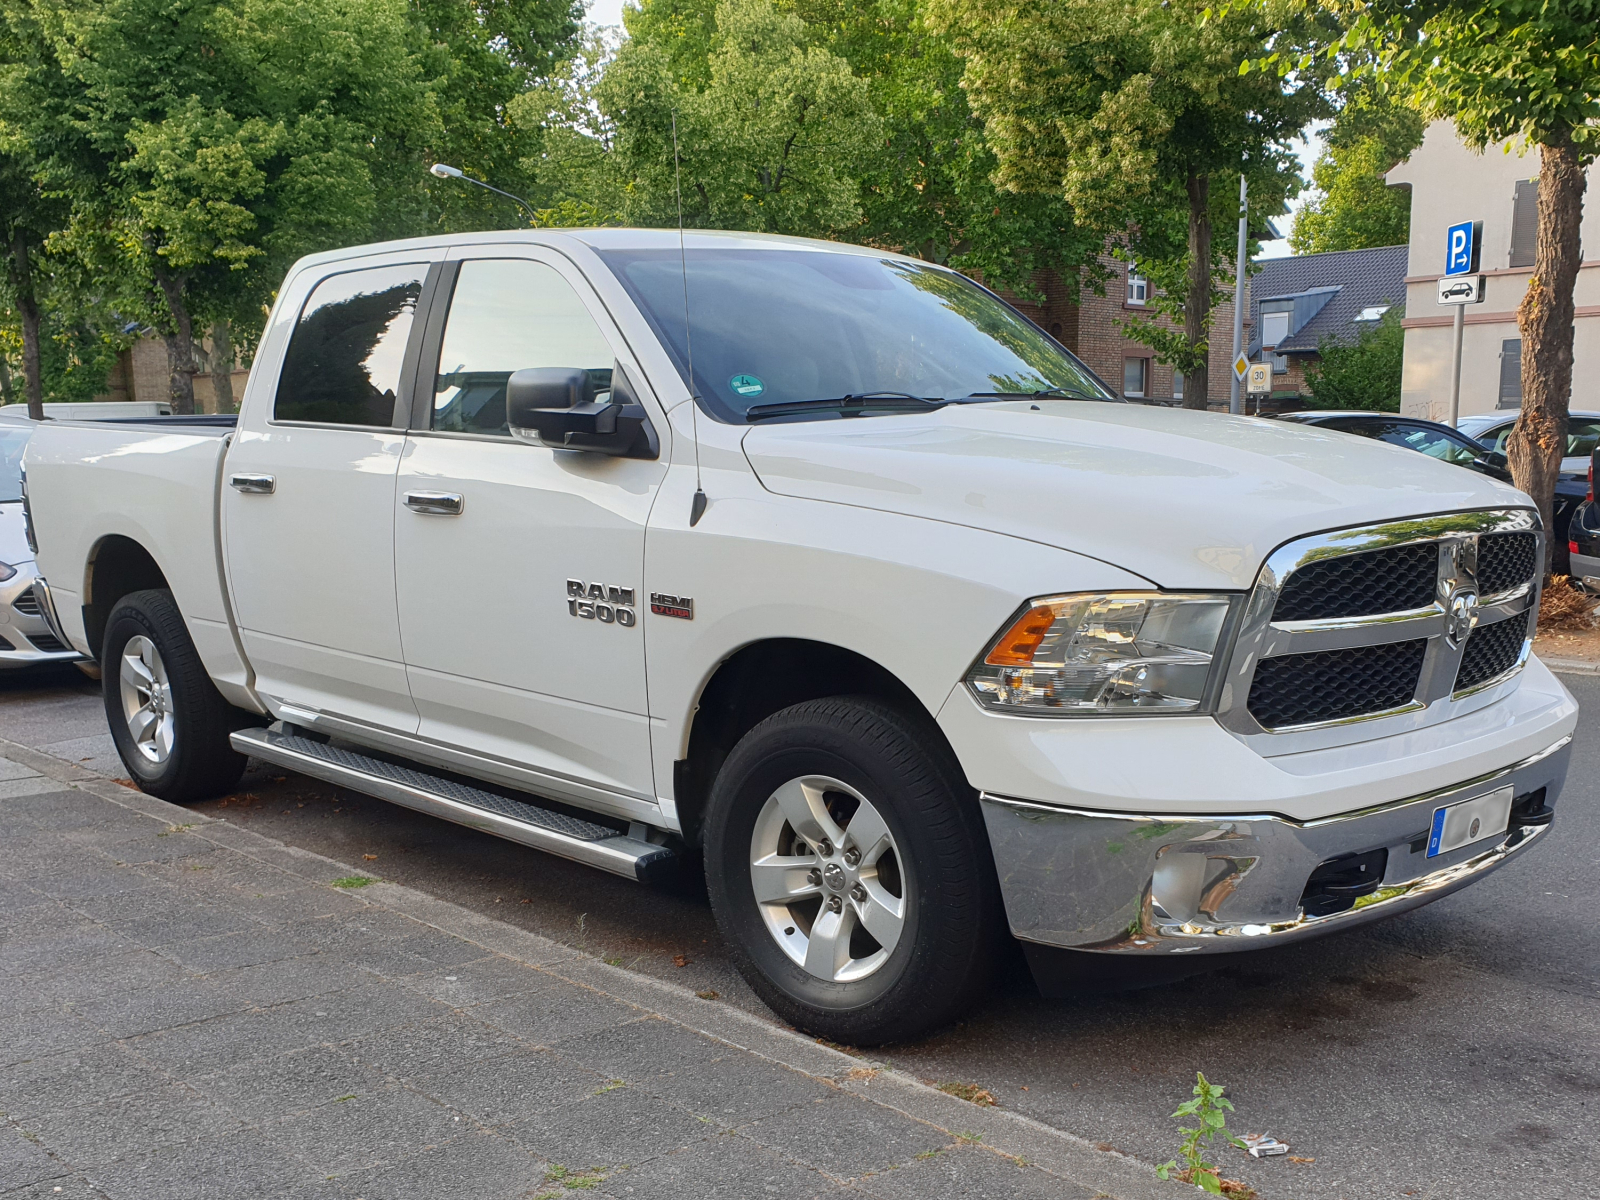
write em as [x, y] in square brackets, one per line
[747, 385]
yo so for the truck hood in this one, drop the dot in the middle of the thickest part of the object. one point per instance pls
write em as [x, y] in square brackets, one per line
[1185, 499]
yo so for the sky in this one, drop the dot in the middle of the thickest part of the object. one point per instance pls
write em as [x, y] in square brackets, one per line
[609, 12]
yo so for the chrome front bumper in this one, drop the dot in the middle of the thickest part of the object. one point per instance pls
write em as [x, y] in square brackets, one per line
[1150, 884]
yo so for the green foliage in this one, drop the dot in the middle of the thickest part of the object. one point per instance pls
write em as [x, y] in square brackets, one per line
[1131, 110]
[1364, 373]
[772, 134]
[1209, 1108]
[1352, 207]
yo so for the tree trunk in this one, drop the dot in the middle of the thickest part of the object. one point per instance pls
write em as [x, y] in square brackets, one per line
[28, 309]
[222, 367]
[180, 344]
[1539, 440]
[1197, 304]
[5, 381]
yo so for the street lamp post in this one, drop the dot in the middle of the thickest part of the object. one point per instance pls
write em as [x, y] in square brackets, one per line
[442, 171]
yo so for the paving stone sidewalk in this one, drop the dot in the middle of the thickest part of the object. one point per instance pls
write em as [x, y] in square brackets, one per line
[188, 1009]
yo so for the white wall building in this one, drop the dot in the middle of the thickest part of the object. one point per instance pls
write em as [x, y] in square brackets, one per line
[1449, 184]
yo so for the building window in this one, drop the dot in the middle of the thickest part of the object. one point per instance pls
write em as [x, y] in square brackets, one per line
[1138, 287]
[1524, 223]
[1372, 312]
[1510, 374]
[1135, 374]
[1177, 385]
[1274, 327]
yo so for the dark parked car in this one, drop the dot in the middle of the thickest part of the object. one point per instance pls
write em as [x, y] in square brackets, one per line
[1583, 535]
[1482, 451]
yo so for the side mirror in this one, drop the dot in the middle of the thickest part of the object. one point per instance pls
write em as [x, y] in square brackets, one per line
[568, 408]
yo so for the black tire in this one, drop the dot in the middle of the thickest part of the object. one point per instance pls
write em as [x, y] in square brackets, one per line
[953, 925]
[200, 763]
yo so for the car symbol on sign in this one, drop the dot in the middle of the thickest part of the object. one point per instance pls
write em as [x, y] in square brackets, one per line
[1463, 288]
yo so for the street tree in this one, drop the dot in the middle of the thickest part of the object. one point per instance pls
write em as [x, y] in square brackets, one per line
[1502, 70]
[1352, 206]
[207, 145]
[1363, 373]
[1136, 113]
[773, 132]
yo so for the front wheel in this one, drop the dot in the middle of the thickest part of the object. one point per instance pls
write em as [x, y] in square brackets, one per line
[169, 722]
[849, 868]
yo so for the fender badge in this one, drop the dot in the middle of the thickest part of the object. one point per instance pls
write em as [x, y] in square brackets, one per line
[664, 605]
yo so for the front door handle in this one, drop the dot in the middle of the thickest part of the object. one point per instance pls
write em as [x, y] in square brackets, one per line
[439, 504]
[260, 485]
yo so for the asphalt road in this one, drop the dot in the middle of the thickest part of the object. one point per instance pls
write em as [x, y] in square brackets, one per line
[1451, 1052]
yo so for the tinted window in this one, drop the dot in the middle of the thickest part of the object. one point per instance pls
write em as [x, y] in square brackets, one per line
[1435, 443]
[509, 314]
[13, 441]
[776, 326]
[343, 363]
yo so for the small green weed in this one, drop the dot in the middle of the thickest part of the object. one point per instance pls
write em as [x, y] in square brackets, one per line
[612, 1086]
[566, 1177]
[354, 881]
[342, 1099]
[1209, 1108]
[170, 829]
[614, 962]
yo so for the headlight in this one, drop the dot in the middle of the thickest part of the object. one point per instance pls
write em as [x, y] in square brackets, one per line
[1118, 652]
[6, 571]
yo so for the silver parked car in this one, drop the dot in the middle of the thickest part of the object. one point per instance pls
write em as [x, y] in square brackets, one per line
[25, 637]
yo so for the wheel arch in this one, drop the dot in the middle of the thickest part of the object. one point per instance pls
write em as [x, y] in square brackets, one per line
[117, 565]
[762, 678]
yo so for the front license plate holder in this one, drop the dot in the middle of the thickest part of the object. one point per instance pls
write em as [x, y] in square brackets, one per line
[1457, 825]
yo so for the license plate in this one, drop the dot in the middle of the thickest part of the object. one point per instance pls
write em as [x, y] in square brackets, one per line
[1456, 825]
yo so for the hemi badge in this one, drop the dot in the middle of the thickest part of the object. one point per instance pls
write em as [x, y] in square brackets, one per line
[672, 606]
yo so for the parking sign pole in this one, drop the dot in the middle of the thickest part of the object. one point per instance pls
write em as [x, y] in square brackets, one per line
[1455, 367]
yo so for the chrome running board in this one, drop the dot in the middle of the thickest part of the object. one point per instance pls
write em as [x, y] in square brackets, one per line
[516, 820]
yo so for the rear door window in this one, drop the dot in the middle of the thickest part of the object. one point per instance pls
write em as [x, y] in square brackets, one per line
[506, 315]
[1583, 435]
[344, 361]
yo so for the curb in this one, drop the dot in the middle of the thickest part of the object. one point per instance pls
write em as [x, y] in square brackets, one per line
[1571, 666]
[1109, 1173]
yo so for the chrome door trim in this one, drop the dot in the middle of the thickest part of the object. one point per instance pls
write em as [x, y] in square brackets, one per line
[253, 484]
[439, 504]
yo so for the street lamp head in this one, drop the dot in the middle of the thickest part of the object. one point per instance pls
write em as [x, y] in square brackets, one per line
[445, 172]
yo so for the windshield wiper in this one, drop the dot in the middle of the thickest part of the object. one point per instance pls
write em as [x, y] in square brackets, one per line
[1057, 392]
[848, 403]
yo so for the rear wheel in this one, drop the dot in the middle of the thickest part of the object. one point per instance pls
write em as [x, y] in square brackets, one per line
[848, 866]
[169, 722]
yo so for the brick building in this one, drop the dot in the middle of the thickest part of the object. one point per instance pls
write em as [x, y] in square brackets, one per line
[140, 373]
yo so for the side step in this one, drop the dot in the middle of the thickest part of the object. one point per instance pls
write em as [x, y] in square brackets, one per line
[516, 820]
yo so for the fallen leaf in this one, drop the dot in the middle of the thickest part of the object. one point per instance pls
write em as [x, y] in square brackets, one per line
[370, 857]
[709, 995]
[1297, 1158]
[681, 960]
[971, 1093]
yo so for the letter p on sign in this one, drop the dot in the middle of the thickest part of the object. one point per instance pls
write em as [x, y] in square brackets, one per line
[1461, 248]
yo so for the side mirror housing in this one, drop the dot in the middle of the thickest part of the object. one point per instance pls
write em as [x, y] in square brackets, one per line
[568, 408]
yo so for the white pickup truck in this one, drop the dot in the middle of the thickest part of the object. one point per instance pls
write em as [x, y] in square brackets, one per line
[885, 605]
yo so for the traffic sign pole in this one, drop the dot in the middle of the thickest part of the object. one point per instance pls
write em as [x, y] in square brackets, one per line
[1235, 401]
[1455, 369]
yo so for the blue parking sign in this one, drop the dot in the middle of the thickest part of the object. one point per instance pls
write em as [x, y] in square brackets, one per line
[1461, 248]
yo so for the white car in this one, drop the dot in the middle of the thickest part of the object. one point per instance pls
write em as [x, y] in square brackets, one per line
[1490, 430]
[825, 563]
[25, 637]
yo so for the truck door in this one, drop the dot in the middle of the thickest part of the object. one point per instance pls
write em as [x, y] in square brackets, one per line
[308, 496]
[520, 568]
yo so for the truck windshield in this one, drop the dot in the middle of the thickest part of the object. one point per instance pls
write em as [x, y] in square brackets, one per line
[13, 441]
[780, 327]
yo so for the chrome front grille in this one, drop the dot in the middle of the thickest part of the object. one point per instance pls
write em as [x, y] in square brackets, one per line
[1406, 618]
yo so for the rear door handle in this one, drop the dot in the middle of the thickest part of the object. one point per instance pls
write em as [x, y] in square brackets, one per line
[261, 485]
[439, 504]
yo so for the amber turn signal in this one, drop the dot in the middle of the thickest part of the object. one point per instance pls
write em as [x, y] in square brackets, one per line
[1016, 646]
